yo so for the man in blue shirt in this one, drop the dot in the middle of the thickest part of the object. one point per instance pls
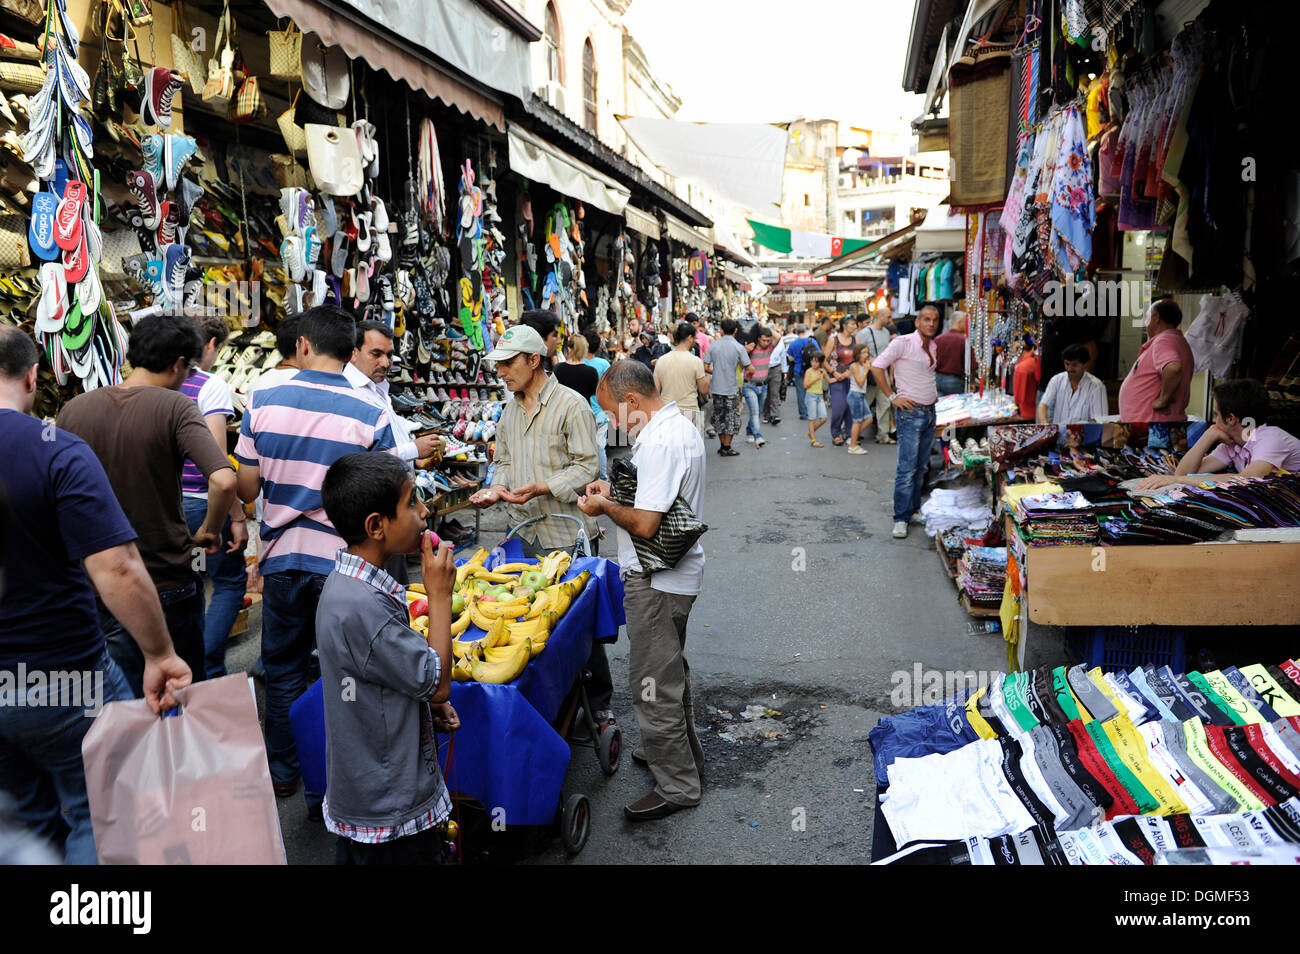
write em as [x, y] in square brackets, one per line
[794, 357]
[60, 512]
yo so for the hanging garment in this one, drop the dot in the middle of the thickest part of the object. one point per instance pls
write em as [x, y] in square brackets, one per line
[1073, 213]
[1215, 335]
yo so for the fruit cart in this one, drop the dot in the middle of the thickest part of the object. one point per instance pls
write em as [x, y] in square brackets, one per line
[509, 755]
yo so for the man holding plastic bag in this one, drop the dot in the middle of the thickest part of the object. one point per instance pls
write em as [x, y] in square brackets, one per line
[60, 512]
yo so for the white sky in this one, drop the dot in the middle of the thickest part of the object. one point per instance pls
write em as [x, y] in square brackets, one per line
[776, 60]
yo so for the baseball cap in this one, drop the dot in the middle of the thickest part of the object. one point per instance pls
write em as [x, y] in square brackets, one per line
[518, 339]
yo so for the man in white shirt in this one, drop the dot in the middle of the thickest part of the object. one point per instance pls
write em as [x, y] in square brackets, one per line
[368, 372]
[669, 458]
[1074, 396]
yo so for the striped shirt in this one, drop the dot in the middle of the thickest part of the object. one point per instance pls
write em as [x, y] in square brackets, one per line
[555, 445]
[292, 433]
[760, 360]
[212, 395]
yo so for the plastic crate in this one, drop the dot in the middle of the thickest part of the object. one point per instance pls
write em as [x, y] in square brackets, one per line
[1125, 648]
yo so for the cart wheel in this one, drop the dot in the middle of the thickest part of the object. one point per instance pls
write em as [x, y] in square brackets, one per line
[608, 748]
[575, 823]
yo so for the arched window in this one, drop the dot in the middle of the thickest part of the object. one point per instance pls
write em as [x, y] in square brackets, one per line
[589, 86]
[554, 46]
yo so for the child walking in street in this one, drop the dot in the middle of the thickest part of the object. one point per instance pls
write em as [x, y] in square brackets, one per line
[386, 686]
[815, 382]
[859, 408]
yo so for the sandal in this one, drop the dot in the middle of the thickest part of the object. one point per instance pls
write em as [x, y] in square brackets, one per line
[838, 441]
[817, 443]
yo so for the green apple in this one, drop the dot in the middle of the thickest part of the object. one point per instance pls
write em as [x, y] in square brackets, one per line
[534, 579]
[457, 604]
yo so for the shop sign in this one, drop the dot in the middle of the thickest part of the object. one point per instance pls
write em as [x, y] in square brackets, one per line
[801, 278]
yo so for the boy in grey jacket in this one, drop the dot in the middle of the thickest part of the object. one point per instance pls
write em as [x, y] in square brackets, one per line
[385, 685]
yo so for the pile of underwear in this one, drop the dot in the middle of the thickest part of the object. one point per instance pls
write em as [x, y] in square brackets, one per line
[1068, 766]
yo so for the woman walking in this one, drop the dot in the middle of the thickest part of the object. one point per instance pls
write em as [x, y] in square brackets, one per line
[839, 355]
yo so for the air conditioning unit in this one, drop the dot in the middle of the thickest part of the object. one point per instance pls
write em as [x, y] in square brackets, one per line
[552, 93]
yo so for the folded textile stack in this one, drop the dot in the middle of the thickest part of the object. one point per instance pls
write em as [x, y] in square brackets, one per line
[1183, 514]
[982, 574]
[1055, 519]
[1068, 766]
[959, 507]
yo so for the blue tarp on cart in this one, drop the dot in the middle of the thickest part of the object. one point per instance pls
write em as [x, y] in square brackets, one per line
[507, 755]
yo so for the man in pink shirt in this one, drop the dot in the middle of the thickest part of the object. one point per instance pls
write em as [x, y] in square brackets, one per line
[913, 358]
[1160, 381]
[1235, 440]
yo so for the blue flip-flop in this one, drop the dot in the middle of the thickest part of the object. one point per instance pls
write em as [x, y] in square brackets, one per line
[40, 233]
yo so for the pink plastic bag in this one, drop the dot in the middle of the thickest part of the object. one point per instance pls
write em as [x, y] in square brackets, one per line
[192, 788]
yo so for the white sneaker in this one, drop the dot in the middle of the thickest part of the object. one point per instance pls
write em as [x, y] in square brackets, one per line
[857, 449]
[760, 442]
[749, 438]
[900, 530]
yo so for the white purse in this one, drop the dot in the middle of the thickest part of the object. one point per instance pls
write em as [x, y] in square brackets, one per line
[325, 73]
[334, 159]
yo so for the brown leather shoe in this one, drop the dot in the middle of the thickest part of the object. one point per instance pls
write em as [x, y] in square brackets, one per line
[651, 808]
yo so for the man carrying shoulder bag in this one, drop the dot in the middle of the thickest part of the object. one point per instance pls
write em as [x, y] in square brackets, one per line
[668, 455]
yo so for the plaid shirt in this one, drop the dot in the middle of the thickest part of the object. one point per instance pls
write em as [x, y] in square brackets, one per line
[365, 571]
[556, 445]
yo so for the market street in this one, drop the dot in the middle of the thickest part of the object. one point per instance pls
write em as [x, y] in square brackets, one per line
[817, 645]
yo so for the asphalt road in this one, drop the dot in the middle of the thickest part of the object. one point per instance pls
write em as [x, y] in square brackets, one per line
[810, 610]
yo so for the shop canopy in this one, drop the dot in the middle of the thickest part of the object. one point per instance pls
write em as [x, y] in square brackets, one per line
[538, 160]
[868, 253]
[409, 41]
[643, 222]
[741, 162]
[942, 231]
[726, 240]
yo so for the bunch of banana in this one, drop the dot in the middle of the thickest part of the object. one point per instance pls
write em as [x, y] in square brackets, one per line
[535, 631]
[511, 609]
[473, 563]
[504, 665]
[555, 564]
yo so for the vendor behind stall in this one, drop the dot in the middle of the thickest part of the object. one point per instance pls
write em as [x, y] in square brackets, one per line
[1074, 396]
[1236, 440]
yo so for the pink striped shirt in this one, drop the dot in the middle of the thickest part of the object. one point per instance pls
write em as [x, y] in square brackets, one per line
[913, 367]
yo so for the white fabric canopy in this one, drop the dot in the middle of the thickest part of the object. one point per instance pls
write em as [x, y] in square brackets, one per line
[535, 159]
[942, 231]
[679, 230]
[642, 222]
[741, 162]
[722, 235]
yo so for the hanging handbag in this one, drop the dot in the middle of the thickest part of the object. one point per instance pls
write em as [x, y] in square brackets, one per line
[679, 528]
[286, 53]
[220, 86]
[295, 137]
[325, 74]
[334, 159]
[248, 105]
[132, 76]
[184, 57]
[306, 110]
[14, 250]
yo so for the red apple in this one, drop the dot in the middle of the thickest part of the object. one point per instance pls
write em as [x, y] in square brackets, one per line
[418, 608]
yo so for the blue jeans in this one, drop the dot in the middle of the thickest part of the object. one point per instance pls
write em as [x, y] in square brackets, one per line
[915, 438]
[289, 601]
[182, 608]
[40, 760]
[841, 420]
[801, 397]
[229, 582]
[755, 398]
[950, 384]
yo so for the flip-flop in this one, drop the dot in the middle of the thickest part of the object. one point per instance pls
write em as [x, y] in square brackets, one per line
[89, 291]
[76, 332]
[84, 136]
[67, 218]
[40, 233]
[76, 262]
[51, 310]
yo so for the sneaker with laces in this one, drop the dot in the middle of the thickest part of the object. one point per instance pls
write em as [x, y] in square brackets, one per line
[760, 442]
[857, 449]
[900, 530]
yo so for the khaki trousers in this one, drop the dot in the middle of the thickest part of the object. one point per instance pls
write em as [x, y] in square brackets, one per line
[661, 687]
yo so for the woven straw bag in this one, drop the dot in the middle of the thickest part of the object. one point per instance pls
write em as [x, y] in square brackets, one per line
[295, 137]
[14, 252]
[21, 77]
[184, 58]
[286, 53]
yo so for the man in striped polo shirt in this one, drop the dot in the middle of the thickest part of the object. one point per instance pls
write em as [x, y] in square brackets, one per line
[290, 435]
[226, 566]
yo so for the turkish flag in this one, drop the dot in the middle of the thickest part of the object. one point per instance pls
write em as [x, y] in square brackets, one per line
[837, 246]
